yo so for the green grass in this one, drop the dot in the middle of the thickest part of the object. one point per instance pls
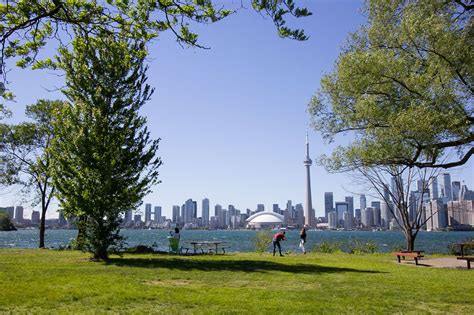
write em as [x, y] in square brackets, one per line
[46, 281]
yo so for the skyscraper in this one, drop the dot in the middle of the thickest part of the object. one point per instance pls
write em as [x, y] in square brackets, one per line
[147, 212]
[205, 212]
[157, 214]
[341, 207]
[350, 203]
[260, 207]
[434, 189]
[308, 211]
[175, 217]
[363, 202]
[447, 187]
[328, 204]
[276, 208]
[19, 214]
[456, 189]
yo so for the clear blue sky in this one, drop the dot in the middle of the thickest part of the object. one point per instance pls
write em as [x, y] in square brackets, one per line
[233, 118]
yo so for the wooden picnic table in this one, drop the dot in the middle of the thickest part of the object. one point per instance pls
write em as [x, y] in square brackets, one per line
[464, 245]
[209, 244]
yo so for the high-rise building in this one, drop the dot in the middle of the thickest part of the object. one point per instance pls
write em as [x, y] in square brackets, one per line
[260, 207]
[309, 216]
[189, 210]
[35, 217]
[299, 211]
[276, 208]
[357, 217]
[128, 217]
[448, 194]
[205, 212]
[232, 215]
[363, 202]
[19, 214]
[465, 193]
[332, 220]
[341, 207]
[347, 220]
[157, 214]
[396, 189]
[175, 216]
[436, 215]
[377, 212]
[434, 189]
[147, 212]
[195, 209]
[328, 204]
[350, 203]
[137, 218]
[367, 217]
[461, 212]
[456, 189]
[385, 214]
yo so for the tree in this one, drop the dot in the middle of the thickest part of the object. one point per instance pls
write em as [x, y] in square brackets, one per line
[403, 88]
[5, 223]
[405, 200]
[104, 159]
[27, 25]
[25, 159]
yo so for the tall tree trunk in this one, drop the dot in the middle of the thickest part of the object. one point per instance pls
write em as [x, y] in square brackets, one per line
[410, 239]
[42, 223]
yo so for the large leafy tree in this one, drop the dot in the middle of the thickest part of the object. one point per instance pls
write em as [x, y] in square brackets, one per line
[24, 157]
[104, 159]
[26, 26]
[402, 88]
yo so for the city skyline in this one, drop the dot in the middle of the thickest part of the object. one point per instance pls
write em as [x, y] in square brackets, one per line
[232, 119]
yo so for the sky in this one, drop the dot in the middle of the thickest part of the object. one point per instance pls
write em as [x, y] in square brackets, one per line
[232, 119]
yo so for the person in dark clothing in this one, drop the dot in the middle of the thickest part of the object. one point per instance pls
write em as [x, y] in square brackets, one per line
[303, 239]
[280, 236]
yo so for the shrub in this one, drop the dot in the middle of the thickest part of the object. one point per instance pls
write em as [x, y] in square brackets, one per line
[263, 238]
[328, 247]
[358, 247]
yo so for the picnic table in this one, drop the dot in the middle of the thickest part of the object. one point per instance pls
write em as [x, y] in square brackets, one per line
[464, 246]
[208, 245]
[463, 256]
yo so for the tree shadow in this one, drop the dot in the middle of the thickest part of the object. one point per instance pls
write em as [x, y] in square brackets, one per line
[229, 265]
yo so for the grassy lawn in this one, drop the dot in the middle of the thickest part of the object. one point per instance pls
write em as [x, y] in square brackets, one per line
[45, 281]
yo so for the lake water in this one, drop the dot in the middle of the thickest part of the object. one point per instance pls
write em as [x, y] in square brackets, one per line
[244, 240]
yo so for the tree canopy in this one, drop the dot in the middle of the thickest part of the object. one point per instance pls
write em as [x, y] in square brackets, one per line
[402, 88]
[26, 26]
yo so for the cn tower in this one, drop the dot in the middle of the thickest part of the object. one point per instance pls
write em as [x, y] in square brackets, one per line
[308, 210]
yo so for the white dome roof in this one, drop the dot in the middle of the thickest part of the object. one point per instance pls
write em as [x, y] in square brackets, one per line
[265, 217]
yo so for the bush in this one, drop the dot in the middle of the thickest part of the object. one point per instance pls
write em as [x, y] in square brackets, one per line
[328, 247]
[263, 239]
[358, 247]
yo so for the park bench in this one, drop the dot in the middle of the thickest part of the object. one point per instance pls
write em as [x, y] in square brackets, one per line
[468, 259]
[416, 254]
[223, 248]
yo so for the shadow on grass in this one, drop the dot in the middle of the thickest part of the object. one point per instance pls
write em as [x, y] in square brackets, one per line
[229, 265]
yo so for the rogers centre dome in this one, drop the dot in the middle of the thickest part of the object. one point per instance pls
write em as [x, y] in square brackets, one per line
[264, 220]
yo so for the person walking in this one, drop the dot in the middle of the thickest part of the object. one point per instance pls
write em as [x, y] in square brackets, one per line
[280, 236]
[303, 239]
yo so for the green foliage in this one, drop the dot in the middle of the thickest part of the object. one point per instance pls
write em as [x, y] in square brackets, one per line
[358, 247]
[27, 26]
[263, 239]
[24, 156]
[328, 247]
[63, 282]
[5, 223]
[402, 87]
[104, 159]
[454, 249]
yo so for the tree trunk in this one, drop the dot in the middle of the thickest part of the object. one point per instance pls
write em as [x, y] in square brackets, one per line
[410, 238]
[42, 226]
